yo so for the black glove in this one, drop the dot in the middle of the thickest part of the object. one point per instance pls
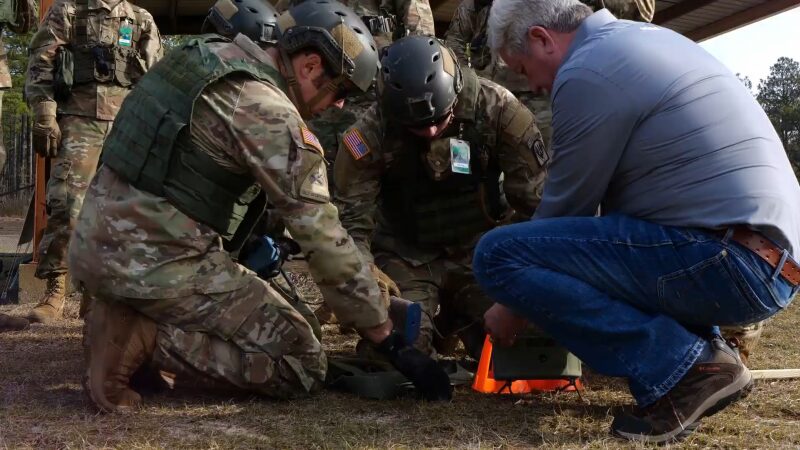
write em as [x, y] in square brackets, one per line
[424, 372]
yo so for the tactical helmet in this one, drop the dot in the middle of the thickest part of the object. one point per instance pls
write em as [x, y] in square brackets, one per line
[419, 81]
[255, 19]
[337, 33]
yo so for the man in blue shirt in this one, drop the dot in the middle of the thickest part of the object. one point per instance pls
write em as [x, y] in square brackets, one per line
[700, 212]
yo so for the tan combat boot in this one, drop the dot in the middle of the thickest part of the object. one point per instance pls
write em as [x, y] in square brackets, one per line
[52, 305]
[117, 340]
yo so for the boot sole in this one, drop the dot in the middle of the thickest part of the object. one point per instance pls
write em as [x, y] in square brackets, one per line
[715, 403]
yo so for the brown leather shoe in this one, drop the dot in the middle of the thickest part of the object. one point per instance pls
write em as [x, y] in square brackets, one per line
[117, 341]
[13, 323]
[706, 389]
[51, 306]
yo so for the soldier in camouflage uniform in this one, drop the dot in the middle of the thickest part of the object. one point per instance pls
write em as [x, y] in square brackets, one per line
[467, 37]
[85, 58]
[428, 170]
[150, 245]
[18, 21]
[386, 20]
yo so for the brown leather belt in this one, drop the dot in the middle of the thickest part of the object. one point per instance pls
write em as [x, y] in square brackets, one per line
[768, 251]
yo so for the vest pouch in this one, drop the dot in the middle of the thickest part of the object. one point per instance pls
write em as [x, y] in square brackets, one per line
[93, 64]
[63, 76]
[128, 67]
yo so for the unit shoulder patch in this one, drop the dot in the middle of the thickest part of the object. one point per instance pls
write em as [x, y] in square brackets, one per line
[315, 186]
[355, 144]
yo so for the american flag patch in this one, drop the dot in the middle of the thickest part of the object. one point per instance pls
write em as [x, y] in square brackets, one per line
[355, 143]
[310, 138]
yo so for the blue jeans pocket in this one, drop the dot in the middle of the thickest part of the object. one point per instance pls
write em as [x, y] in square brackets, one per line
[712, 291]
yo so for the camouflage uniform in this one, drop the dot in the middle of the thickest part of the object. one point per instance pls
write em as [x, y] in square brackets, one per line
[416, 17]
[85, 118]
[217, 320]
[388, 226]
[26, 16]
[468, 28]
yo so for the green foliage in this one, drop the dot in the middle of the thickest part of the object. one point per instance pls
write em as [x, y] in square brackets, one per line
[779, 95]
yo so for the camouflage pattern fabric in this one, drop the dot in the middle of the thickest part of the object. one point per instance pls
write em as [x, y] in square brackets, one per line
[95, 100]
[250, 338]
[417, 18]
[445, 287]
[132, 244]
[84, 119]
[424, 271]
[70, 173]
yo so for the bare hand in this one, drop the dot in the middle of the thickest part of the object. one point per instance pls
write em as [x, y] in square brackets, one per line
[503, 324]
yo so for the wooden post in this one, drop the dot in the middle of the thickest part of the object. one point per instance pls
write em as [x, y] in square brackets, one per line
[42, 173]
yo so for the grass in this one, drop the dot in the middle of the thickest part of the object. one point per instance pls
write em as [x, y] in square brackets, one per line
[42, 406]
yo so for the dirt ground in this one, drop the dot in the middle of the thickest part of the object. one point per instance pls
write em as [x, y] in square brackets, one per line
[42, 406]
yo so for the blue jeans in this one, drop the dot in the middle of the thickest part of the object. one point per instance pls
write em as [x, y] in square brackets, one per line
[630, 298]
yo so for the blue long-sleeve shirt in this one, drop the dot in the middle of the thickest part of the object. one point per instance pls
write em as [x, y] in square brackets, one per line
[649, 124]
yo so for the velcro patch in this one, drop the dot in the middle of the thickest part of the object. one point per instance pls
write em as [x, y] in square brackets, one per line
[539, 150]
[310, 139]
[226, 8]
[355, 144]
[315, 186]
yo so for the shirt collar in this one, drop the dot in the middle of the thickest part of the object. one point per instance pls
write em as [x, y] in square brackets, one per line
[589, 27]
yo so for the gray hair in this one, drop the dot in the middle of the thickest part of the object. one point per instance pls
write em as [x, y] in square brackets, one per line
[510, 20]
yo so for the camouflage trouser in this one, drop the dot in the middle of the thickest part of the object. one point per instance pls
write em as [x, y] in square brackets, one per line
[446, 288]
[540, 107]
[331, 123]
[251, 339]
[746, 337]
[71, 171]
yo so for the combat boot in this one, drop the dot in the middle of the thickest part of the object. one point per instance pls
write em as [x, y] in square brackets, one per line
[12, 323]
[51, 306]
[117, 341]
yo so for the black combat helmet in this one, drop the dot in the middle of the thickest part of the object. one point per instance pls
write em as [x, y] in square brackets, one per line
[255, 19]
[419, 81]
[337, 33]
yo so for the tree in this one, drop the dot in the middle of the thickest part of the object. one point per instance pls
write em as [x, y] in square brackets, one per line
[779, 95]
[745, 81]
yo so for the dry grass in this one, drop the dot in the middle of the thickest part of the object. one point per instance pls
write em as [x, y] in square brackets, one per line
[42, 406]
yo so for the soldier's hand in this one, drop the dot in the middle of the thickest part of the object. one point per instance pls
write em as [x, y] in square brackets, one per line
[424, 372]
[46, 132]
[387, 286]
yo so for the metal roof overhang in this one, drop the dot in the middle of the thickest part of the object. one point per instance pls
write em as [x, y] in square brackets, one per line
[696, 19]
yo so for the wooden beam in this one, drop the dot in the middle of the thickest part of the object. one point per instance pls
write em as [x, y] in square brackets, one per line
[679, 10]
[775, 374]
[740, 19]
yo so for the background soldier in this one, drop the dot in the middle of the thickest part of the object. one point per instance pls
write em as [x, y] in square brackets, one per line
[85, 58]
[467, 37]
[387, 20]
[18, 20]
[429, 159]
[150, 244]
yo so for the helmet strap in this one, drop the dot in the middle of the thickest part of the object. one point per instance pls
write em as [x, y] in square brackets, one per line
[295, 95]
